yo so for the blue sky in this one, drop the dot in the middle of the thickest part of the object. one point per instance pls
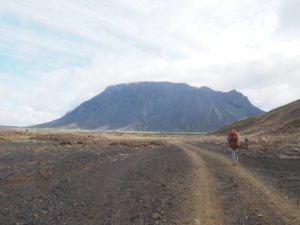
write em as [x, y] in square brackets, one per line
[56, 54]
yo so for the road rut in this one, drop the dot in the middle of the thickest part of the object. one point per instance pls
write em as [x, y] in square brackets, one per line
[233, 195]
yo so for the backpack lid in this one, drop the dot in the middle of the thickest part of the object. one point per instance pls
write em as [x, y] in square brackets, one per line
[232, 132]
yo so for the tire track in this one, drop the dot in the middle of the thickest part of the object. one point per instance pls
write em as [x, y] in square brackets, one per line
[205, 201]
[269, 205]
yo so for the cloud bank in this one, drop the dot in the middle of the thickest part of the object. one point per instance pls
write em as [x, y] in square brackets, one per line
[54, 55]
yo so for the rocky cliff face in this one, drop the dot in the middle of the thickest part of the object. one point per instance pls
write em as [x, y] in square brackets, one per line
[157, 106]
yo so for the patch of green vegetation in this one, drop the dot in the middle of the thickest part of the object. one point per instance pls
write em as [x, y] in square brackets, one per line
[14, 137]
[2, 137]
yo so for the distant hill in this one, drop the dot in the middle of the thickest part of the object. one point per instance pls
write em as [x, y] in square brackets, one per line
[157, 106]
[282, 120]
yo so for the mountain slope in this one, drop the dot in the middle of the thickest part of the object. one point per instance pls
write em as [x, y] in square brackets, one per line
[158, 106]
[282, 120]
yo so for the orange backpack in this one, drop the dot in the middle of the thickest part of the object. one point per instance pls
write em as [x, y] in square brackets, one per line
[233, 139]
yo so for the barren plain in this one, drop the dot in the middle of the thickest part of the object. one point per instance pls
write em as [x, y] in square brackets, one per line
[85, 178]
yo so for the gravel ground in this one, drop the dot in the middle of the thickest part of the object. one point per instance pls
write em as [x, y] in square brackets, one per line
[125, 182]
[78, 178]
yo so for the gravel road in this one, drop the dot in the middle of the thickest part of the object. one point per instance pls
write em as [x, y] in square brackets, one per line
[155, 179]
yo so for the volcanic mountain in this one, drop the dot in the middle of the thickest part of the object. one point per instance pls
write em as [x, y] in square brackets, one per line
[280, 121]
[157, 106]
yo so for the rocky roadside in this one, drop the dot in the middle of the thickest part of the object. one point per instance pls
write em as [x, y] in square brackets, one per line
[56, 182]
[276, 160]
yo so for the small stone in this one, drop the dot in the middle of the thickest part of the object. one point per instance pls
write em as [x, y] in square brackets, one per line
[155, 215]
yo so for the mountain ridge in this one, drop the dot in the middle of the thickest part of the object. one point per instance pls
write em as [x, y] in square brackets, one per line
[157, 106]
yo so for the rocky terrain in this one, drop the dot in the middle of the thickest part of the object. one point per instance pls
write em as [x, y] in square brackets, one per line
[282, 121]
[78, 178]
[72, 177]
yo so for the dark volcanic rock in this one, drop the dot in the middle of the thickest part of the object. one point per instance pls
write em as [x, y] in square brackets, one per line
[157, 106]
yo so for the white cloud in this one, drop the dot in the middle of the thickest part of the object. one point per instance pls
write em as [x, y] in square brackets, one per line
[226, 45]
[22, 115]
[289, 15]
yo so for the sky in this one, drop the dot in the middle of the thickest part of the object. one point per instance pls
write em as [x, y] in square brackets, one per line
[56, 54]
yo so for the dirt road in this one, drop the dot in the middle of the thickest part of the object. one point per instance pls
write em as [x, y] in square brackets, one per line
[230, 194]
[116, 179]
